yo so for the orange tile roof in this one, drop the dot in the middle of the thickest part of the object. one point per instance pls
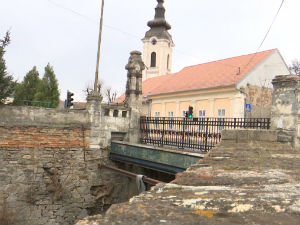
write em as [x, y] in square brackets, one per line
[220, 73]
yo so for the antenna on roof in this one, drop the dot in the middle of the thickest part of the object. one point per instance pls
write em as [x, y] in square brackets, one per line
[239, 71]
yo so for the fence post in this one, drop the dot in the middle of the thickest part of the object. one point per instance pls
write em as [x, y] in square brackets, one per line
[183, 132]
[206, 134]
[163, 132]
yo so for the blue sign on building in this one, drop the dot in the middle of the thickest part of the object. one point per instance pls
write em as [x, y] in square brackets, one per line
[248, 108]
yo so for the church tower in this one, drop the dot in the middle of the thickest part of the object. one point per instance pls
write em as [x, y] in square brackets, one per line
[158, 45]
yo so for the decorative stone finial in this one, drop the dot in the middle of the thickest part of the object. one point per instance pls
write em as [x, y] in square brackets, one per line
[135, 64]
[94, 96]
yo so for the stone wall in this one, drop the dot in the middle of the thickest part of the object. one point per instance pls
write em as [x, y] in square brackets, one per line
[57, 186]
[249, 135]
[49, 174]
[260, 99]
[50, 159]
[107, 120]
[285, 117]
[35, 116]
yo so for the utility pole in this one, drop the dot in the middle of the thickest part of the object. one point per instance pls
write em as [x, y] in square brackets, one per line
[99, 45]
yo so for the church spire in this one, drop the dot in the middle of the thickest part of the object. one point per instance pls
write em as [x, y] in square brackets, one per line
[159, 26]
[158, 45]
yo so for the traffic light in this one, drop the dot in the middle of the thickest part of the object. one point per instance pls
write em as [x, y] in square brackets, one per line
[190, 112]
[68, 102]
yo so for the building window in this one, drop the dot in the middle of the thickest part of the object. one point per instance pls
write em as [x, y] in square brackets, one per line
[201, 119]
[201, 113]
[168, 58]
[157, 115]
[170, 119]
[106, 112]
[170, 114]
[153, 59]
[124, 114]
[116, 113]
[184, 114]
[221, 112]
[221, 119]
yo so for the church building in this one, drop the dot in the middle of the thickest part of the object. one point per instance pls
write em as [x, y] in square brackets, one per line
[234, 87]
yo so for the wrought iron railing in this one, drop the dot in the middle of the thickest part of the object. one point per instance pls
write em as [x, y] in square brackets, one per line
[198, 134]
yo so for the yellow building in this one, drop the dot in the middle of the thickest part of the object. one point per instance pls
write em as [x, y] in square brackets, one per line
[222, 88]
[215, 89]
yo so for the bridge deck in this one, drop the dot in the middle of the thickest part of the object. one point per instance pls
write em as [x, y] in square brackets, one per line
[152, 157]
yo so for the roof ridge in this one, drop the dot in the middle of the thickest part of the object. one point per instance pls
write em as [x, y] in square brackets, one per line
[218, 60]
[206, 75]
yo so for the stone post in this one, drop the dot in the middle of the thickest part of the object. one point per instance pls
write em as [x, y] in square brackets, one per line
[285, 113]
[133, 98]
[94, 100]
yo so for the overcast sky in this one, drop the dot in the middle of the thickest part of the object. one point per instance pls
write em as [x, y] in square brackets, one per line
[65, 32]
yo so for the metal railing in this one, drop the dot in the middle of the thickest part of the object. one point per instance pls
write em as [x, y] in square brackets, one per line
[198, 134]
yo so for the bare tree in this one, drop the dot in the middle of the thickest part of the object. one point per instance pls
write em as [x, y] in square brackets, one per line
[110, 95]
[89, 88]
[295, 67]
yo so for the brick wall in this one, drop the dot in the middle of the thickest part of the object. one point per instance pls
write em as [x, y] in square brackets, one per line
[44, 137]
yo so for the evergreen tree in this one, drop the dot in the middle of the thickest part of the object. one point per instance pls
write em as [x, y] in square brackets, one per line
[48, 90]
[6, 81]
[27, 89]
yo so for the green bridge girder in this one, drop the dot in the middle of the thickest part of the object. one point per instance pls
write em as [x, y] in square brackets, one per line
[152, 157]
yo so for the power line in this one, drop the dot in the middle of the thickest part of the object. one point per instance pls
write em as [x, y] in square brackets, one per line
[73, 11]
[263, 40]
[270, 26]
[117, 29]
[175, 50]
[90, 19]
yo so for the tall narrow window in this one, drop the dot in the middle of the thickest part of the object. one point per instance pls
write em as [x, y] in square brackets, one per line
[221, 119]
[170, 119]
[202, 113]
[201, 119]
[156, 124]
[168, 58]
[153, 59]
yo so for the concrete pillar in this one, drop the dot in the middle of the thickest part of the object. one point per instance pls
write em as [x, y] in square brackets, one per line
[178, 113]
[94, 108]
[164, 113]
[285, 113]
[237, 106]
[194, 108]
[211, 107]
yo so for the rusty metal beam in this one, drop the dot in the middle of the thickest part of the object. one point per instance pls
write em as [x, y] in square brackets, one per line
[132, 175]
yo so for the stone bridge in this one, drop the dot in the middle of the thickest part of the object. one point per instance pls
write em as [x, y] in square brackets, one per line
[50, 160]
